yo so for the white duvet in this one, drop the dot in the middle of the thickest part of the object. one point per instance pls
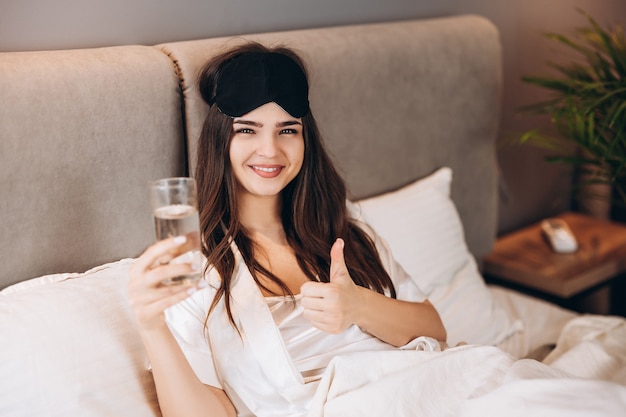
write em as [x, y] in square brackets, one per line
[584, 376]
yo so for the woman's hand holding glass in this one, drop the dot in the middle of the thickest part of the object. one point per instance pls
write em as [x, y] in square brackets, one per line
[148, 296]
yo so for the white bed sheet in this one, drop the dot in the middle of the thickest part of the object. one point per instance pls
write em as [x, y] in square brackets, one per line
[585, 375]
[542, 322]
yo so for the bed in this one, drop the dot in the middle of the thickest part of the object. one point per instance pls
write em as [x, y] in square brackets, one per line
[410, 113]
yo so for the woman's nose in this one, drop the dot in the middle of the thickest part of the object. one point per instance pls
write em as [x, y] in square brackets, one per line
[268, 145]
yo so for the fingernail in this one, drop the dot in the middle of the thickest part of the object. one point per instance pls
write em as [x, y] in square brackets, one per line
[341, 242]
[179, 240]
[191, 290]
[202, 284]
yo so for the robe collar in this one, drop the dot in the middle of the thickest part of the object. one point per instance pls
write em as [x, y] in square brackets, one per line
[259, 337]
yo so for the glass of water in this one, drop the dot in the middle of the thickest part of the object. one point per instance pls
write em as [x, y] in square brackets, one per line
[175, 209]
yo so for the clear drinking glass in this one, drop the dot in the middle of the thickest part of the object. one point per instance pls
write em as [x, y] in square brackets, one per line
[175, 209]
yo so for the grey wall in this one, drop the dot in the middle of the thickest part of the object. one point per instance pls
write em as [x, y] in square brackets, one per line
[531, 188]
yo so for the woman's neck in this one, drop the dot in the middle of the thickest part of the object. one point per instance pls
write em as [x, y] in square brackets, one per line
[261, 216]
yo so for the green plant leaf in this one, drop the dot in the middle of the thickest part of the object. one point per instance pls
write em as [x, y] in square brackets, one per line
[574, 71]
[609, 46]
[587, 106]
[618, 114]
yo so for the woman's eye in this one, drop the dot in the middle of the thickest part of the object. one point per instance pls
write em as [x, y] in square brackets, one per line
[244, 130]
[289, 132]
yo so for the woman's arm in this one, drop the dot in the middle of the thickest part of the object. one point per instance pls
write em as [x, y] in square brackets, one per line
[336, 305]
[397, 322]
[179, 391]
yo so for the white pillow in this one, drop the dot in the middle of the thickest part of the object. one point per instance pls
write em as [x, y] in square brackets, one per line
[422, 227]
[469, 311]
[424, 231]
[70, 348]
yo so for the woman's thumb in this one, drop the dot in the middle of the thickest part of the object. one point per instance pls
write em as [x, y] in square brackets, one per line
[337, 261]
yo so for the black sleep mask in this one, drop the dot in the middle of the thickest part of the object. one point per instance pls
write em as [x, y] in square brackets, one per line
[253, 79]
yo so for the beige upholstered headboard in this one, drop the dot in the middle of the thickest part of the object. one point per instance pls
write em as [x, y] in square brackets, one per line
[83, 132]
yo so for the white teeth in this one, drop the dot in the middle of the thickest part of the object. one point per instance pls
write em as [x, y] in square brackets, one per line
[265, 169]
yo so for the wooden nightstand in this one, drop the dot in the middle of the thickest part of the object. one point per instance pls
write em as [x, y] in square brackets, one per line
[525, 261]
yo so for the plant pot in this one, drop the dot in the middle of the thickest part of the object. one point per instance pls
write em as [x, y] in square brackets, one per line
[594, 193]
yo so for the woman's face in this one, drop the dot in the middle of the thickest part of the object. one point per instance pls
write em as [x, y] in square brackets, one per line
[267, 150]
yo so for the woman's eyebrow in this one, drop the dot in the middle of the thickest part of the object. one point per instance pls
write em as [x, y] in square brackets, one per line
[247, 122]
[257, 124]
[288, 123]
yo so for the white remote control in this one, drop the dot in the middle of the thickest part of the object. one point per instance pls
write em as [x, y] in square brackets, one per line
[559, 235]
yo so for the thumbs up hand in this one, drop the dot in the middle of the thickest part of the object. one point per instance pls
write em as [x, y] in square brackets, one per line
[334, 306]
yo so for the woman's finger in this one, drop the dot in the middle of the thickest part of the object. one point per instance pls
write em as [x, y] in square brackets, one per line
[313, 303]
[338, 266]
[316, 317]
[314, 289]
[152, 279]
[158, 252]
[168, 296]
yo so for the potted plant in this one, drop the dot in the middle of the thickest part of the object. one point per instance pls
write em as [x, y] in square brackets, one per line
[587, 108]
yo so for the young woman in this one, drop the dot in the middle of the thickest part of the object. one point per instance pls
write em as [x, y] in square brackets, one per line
[292, 279]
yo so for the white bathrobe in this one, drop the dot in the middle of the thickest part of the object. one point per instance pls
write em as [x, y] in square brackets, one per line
[254, 367]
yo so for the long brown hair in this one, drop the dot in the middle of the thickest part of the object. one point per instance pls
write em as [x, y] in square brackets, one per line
[314, 212]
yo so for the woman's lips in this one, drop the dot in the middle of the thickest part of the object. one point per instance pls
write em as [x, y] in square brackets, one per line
[267, 171]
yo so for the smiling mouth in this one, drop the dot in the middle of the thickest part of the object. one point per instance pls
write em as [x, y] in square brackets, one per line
[265, 169]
